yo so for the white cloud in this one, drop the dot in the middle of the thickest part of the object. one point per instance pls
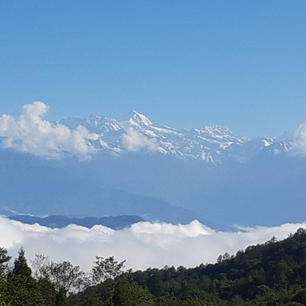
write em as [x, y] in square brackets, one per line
[299, 140]
[135, 141]
[29, 132]
[143, 245]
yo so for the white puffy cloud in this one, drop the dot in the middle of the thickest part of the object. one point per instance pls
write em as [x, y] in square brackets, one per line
[299, 140]
[143, 245]
[29, 132]
[135, 141]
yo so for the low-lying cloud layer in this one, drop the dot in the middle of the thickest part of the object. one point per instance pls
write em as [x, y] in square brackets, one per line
[299, 140]
[143, 245]
[28, 132]
[135, 141]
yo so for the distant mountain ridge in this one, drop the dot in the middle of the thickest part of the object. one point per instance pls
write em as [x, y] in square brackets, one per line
[211, 144]
[31, 185]
[113, 222]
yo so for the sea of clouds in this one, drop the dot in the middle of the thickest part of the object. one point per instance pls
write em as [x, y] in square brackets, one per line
[142, 245]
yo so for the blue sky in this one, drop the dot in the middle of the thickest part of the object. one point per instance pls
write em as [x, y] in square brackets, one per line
[183, 63]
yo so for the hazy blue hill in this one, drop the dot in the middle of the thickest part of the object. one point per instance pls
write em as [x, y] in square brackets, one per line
[30, 185]
[267, 189]
[114, 222]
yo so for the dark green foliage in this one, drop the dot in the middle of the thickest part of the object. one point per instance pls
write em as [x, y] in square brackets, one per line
[20, 266]
[106, 268]
[129, 293]
[61, 298]
[3, 302]
[63, 275]
[19, 288]
[47, 290]
[4, 258]
[23, 291]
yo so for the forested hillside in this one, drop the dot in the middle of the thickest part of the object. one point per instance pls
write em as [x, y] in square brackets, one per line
[272, 274]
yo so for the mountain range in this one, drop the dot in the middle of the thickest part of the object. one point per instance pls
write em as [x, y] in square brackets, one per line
[211, 144]
[53, 221]
[160, 173]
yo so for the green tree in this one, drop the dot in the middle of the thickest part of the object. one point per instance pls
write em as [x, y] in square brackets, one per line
[21, 266]
[3, 301]
[21, 286]
[61, 298]
[4, 259]
[131, 294]
[63, 275]
[106, 268]
[47, 290]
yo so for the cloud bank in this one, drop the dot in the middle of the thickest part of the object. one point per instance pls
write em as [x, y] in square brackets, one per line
[299, 140]
[135, 141]
[28, 132]
[143, 245]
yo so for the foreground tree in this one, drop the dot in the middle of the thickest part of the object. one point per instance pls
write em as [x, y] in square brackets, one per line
[63, 275]
[4, 259]
[21, 287]
[129, 293]
[106, 268]
[3, 302]
[21, 266]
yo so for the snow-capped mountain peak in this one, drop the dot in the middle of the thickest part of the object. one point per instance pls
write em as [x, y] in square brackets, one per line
[211, 144]
[139, 120]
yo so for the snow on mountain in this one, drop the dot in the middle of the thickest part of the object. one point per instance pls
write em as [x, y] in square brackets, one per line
[211, 144]
[140, 120]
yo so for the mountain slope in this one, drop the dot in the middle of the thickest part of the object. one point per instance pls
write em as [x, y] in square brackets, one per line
[113, 222]
[30, 185]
